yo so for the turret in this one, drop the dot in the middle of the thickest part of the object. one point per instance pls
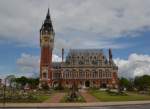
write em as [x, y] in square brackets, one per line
[46, 44]
[62, 54]
[47, 32]
[47, 25]
[110, 56]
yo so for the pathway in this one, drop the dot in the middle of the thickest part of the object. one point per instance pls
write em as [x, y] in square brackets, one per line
[88, 97]
[55, 98]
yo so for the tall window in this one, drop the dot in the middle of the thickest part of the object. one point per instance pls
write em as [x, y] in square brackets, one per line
[45, 75]
[100, 73]
[80, 74]
[107, 73]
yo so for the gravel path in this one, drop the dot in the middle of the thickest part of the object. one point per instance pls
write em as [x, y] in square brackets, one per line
[55, 98]
[88, 97]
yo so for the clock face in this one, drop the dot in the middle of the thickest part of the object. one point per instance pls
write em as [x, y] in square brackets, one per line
[44, 40]
[47, 40]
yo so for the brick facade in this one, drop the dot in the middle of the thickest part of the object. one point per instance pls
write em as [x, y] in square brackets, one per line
[84, 67]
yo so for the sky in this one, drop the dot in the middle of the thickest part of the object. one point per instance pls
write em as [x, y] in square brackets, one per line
[123, 25]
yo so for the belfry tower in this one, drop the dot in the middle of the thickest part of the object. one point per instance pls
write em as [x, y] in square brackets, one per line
[46, 43]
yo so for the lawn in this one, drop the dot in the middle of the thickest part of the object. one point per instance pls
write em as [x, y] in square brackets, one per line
[130, 96]
[32, 97]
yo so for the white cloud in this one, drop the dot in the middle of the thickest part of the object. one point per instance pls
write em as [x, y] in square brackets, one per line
[99, 21]
[135, 65]
[56, 58]
[28, 64]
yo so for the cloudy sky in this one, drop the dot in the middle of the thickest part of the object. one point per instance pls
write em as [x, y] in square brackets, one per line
[123, 25]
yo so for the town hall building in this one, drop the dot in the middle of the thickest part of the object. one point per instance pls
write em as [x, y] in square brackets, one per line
[84, 67]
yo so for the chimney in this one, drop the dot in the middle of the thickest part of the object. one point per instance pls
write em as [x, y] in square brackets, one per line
[62, 54]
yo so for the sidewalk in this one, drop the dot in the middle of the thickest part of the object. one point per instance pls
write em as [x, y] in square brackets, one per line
[73, 104]
[88, 97]
[55, 98]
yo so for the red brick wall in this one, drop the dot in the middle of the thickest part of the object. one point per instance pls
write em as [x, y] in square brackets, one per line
[46, 60]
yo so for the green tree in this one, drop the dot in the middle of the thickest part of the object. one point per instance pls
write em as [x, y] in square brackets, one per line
[142, 82]
[125, 83]
[9, 80]
[33, 82]
[22, 81]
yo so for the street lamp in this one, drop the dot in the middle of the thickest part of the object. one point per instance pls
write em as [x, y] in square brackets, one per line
[4, 94]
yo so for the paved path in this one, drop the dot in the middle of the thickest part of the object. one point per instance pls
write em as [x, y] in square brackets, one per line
[88, 97]
[142, 106]
[80, 105]
[55, 98]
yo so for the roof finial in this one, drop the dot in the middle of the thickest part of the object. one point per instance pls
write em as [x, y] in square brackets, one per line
[110, 54]
[48, 15]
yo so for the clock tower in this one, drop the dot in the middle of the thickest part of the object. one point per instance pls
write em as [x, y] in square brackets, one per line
[46, 44]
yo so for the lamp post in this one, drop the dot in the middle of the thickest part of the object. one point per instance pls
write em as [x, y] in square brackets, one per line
[73, 89]
[4, 94]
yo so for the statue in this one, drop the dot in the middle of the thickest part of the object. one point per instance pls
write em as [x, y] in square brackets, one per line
[73, 96]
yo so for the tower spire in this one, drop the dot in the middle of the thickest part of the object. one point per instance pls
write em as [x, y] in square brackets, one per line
[47, 25]
[110, 55]
[48, 14]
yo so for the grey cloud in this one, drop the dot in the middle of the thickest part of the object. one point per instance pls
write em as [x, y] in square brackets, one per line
[87, 20]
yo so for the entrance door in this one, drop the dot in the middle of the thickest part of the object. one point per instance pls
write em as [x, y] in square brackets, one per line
[104, 85]
[87, 83]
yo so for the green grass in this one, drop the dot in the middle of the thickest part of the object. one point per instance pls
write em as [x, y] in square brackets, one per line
[34, 99]
[130, 96]
[30, 97]
[42, 98]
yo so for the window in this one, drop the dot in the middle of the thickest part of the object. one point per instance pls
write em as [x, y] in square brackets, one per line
[44, 75]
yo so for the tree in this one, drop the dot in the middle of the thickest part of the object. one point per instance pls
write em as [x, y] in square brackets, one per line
[142, 82]
[125, 83]
[22, 81]
[33, 82]
[9, 80]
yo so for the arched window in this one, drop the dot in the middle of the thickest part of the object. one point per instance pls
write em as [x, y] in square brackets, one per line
[82, 57]
[80, 74]
[44, 75]
[100, 73]
[87, 73]
[107, 72]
